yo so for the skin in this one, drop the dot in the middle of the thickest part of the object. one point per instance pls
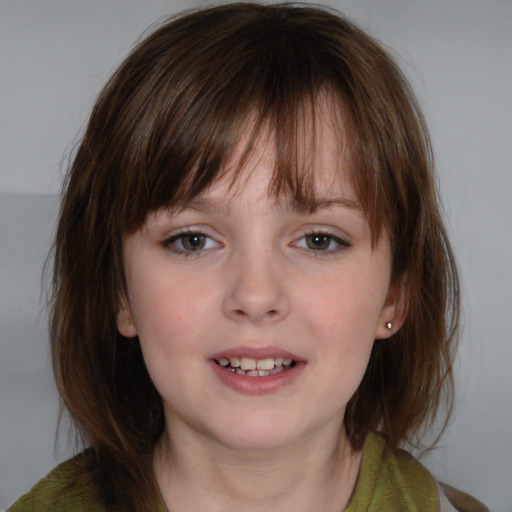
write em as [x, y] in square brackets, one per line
[258, 280]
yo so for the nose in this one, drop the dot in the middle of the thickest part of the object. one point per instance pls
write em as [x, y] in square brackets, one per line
[256, 290]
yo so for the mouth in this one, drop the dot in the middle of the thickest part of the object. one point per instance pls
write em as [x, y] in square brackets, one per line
[251, 367]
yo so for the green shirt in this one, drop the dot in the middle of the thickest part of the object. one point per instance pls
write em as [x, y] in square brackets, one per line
[394, 482]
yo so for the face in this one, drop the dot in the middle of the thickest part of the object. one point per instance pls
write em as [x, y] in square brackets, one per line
[256, 321]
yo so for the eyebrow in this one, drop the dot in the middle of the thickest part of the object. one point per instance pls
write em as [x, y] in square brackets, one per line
[312, 205]
[306, 205]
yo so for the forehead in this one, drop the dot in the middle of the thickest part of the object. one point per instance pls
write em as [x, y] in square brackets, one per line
[313, 168]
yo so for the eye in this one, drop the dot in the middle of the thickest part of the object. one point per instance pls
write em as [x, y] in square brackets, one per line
[321, 242]
[190, 241]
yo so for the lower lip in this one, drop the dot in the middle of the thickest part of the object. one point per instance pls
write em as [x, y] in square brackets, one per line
[257, 385]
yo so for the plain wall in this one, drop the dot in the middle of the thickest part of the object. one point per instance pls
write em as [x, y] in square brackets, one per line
[54, 57]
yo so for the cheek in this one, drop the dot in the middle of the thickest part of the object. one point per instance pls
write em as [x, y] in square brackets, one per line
[342, 316]
[349, 305]
[172, 314]
[167, 317]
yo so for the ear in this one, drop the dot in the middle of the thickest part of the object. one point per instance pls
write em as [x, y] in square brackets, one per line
[125, 324]
[394, 311]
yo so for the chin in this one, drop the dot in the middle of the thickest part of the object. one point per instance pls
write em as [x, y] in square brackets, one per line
[257, 443]
[259, 433]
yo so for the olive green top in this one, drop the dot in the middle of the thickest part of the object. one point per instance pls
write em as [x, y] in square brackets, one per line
[393, 482]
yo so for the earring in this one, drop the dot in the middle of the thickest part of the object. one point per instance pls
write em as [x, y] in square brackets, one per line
[389, 325]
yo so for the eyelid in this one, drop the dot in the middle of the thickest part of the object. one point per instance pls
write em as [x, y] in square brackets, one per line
[171, 238]
[342, 243]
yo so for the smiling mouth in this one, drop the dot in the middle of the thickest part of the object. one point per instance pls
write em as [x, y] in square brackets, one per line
[255, 367]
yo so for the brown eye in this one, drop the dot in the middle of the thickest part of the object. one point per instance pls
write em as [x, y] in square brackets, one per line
[321, 243]
[193, 242]
[189, 242]
[318, 242]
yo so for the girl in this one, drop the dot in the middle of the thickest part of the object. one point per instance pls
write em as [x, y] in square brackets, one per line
[254, 299]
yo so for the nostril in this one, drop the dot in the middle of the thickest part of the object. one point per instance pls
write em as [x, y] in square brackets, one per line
[242, 314]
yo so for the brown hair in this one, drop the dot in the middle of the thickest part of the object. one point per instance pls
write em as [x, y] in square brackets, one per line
[159, 135]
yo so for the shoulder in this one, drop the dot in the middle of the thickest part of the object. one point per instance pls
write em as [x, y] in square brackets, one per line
[444, 503]
[392, 481]
[60, 491]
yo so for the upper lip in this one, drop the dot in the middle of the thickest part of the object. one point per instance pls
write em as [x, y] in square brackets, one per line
[257, 353]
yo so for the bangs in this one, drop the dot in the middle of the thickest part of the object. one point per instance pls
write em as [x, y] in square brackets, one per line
[186, 109]
[191, 95]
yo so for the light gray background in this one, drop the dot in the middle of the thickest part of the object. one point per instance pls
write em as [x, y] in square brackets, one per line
[54, 57]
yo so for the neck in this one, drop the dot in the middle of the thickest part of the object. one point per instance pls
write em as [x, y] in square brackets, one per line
[316, 471]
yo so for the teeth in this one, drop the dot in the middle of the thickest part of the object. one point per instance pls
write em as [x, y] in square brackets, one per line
[265, 364]
[255, 367]
[246, 363]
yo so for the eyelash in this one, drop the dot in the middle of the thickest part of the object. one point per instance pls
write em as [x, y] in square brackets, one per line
[341, 244]
[170, 243]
